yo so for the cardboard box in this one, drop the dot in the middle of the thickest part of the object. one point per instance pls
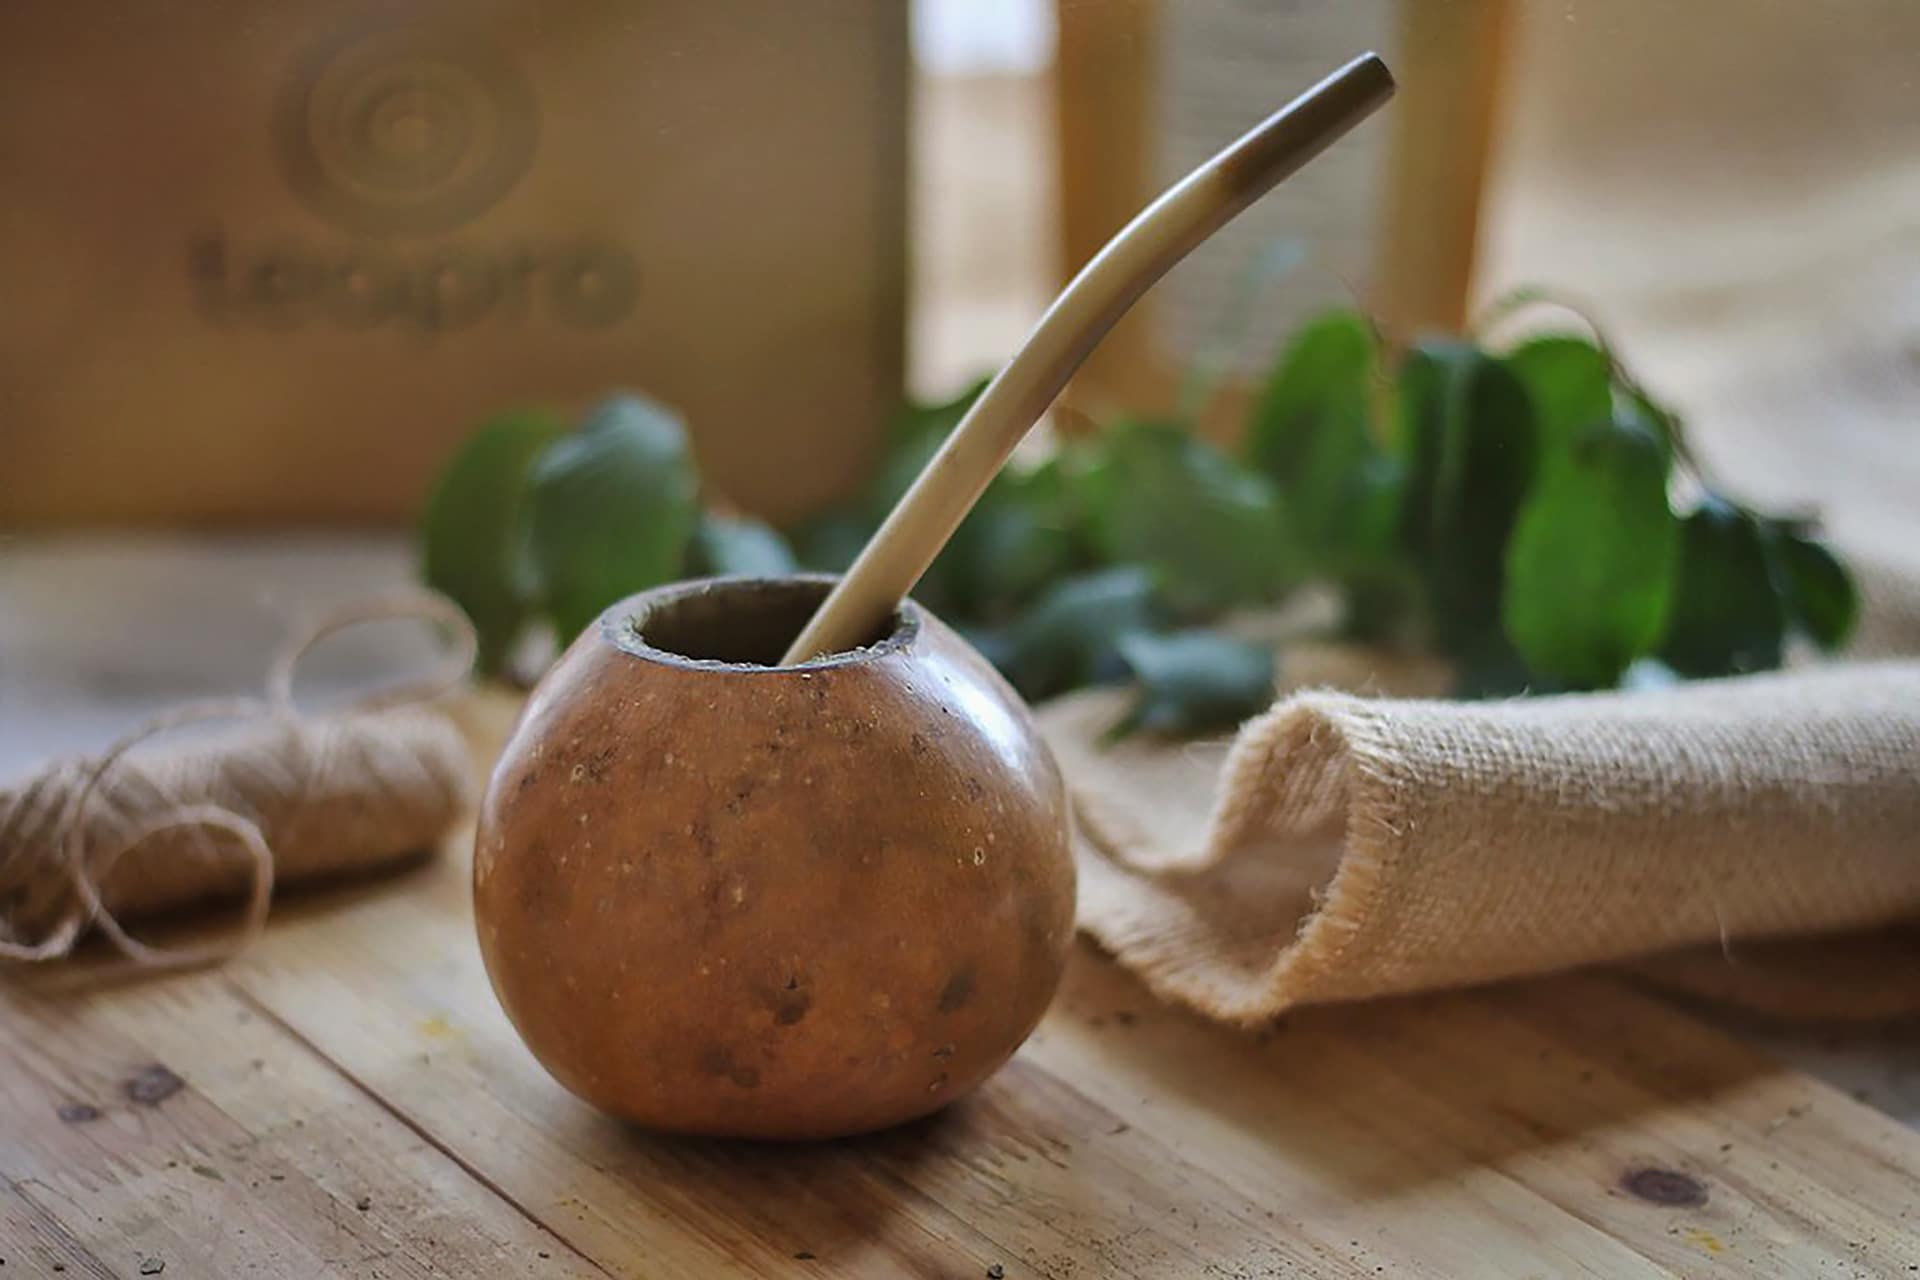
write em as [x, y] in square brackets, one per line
[269, 261]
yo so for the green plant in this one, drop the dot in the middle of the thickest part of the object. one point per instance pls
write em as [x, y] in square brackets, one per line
[1511, 509]
[533, 525]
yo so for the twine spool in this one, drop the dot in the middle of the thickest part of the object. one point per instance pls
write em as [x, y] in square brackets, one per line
[142, 828]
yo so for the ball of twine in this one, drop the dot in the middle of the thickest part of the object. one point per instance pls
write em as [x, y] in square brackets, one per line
[140, 828]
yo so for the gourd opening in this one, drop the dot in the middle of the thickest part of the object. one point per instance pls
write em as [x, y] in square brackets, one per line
[745, 622]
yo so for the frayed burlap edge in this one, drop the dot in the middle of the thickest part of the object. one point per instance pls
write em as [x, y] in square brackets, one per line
[1309, 767]
[1334, 793]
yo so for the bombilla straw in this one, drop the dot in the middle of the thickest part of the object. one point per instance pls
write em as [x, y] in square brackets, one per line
[1161, 235]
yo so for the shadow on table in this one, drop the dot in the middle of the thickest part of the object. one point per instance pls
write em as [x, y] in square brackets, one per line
[1378, 1097]
[850, 1204]
[1125, 1129]
[1122, 1107]
[95, 965]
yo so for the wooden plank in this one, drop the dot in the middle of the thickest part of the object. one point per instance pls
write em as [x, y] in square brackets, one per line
[1441, 1119]
[1443, 138]
[1736, 1119]
[34, 1243]
[1030, 1171]
[244, 1153]
[1321, 1126]
[357, 1055]
[1134, 1140]
[391, 989]
[1485, 1114]
[1103, 79]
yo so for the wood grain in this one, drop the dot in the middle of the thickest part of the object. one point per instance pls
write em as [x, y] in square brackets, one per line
[1103, 80]
[264, 1158]
[1437, 175]
[1564, 1127]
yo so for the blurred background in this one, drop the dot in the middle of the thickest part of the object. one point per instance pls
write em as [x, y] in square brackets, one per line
[268, 263]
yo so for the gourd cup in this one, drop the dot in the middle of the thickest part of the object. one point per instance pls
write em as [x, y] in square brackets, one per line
[724, 897]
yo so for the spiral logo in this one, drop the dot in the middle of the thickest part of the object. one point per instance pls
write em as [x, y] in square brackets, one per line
[404, 130]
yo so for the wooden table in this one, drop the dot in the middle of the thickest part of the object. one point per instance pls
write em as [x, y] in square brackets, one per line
[347, 1099]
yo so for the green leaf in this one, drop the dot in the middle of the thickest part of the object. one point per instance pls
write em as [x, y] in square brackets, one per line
[919, 420]
[1591, 565]
[829, 541]
[1466, 431]
[1194, 681]
[1727, 613]
[1210, 528]
[469, 535]
[1070, 636]
[901, 466]
[610, 510]
[916, 434]
[1312, 434]
[1321, 386]
[1821, 600]
[1383, 606]
[1488, 666]
[1662, 424]
[1367, 534]
[737, 546]
[1019, 538]
[1569, 381]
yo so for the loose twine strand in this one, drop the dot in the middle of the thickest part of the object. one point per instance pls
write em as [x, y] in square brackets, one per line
[38, 858]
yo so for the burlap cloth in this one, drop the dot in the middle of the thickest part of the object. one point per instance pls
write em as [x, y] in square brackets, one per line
[1343, 846]
[1753, 256]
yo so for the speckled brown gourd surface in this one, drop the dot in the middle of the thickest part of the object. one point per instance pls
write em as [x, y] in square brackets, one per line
[773, 902]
